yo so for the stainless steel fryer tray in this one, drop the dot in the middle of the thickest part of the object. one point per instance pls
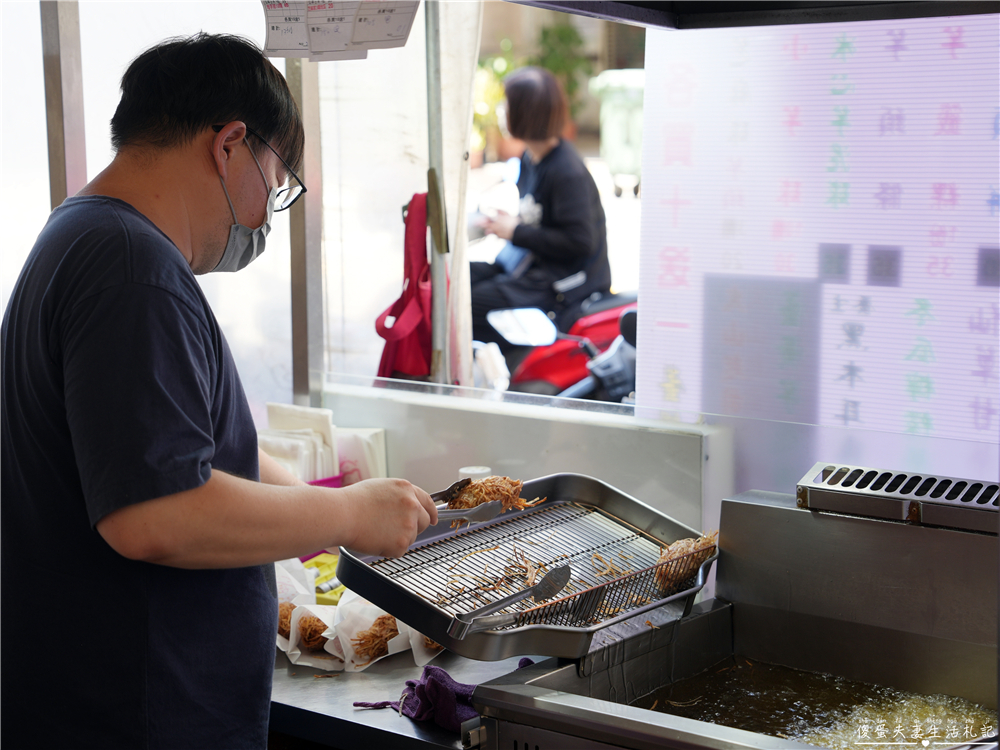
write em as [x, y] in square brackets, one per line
[583, 515]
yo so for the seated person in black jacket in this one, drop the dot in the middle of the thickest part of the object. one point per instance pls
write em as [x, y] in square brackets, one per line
[557, 250]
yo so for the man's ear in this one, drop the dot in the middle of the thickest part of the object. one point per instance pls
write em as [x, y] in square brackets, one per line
[225, 142]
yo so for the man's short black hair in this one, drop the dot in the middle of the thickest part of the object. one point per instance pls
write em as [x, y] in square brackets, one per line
[536, 104]
[173, 91]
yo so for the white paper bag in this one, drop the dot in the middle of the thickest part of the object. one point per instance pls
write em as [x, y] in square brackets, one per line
[423, 652]
[293, 451]
[331, 657]
[292, 589]
[355, 615]
[296, 583]
[362, 453]
[289, 417]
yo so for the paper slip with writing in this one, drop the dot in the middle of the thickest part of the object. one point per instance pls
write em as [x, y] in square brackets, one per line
[384, 23]
[286, 29]
[288, 33]
[331, 25]
[340, 30]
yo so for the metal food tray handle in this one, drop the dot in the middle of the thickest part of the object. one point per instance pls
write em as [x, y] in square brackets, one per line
[579, 608]
[551, 584]
[583, 611]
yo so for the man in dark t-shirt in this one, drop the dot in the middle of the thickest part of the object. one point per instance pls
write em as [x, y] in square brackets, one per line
[137, 510]
[122, 374]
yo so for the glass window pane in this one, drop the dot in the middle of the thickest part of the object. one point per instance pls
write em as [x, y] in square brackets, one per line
[25, 184]
[252, 306]
[373, 120]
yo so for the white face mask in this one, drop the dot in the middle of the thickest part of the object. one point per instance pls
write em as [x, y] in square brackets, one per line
[245, 244]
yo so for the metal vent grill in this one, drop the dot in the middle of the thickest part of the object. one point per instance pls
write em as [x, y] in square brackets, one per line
[902, 496]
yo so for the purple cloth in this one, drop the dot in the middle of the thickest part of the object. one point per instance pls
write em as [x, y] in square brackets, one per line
[436, 697]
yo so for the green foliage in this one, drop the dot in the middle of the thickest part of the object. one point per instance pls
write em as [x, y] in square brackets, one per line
[488, 94]
[487, 97]
[560, 53]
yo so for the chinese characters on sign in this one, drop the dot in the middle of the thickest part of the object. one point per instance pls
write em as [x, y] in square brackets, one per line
[857, 157]
[984, 325]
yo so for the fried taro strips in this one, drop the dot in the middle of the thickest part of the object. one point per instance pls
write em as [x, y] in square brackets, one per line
[373, 643]
[431, 645]
[285, 619]
[504, 489]
[311, 629]
[684, 557]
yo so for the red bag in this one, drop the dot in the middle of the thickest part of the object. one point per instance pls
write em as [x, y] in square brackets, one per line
[407, 352]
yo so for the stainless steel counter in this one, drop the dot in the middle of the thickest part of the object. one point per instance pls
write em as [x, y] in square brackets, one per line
[321, 709]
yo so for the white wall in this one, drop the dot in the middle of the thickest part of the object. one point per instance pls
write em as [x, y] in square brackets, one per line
[253, 306]
[432, 433]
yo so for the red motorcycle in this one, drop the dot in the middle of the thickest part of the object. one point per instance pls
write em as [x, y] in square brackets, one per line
[594, 359]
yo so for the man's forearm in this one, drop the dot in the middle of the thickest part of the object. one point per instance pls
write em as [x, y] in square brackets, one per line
[230, 522]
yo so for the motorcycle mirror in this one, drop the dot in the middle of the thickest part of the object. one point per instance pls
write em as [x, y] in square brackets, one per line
[523, 326]
[626, 324]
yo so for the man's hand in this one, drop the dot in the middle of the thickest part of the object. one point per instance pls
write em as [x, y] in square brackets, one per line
[503, 225]
[386, 515]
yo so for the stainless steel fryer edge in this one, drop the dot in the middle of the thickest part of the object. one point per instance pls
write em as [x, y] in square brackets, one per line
[613, 723]
[523, 698]
[355, 572]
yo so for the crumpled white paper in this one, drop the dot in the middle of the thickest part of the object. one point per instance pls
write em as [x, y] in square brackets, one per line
[331, 657]
[292, 587]
[356, 615]
[421, 653]
[295, 582]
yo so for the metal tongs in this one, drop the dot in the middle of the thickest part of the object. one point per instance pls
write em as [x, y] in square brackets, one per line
[484, 512]
[472, 622]
[446, 496]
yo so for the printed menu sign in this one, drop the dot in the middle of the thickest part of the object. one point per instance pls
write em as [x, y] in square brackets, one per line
[835, 178]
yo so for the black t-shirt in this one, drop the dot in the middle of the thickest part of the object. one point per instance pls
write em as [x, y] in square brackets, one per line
[119, 387]
[562, 219]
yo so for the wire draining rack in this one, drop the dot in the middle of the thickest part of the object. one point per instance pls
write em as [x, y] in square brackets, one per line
[611, 540]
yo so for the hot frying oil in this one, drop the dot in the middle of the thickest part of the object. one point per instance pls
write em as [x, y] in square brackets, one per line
[821, 709]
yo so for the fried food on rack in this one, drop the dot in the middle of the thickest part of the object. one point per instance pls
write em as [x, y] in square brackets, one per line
[684, 557]
[487, 489]
[523, 566]
[311, 629]
[373, 643]
[285, 619]
[607, 567]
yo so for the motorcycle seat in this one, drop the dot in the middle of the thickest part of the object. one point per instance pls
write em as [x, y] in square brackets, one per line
[595, 303]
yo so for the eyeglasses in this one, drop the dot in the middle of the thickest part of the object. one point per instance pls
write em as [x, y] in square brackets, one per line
[286, 196]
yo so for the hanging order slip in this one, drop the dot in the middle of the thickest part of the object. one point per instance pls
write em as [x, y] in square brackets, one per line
[336, 30]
